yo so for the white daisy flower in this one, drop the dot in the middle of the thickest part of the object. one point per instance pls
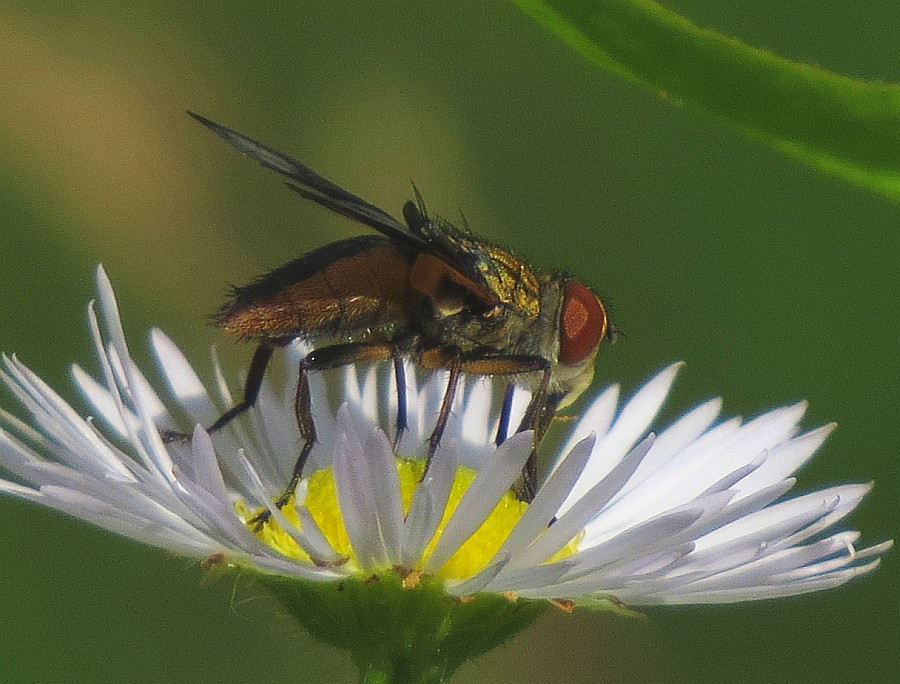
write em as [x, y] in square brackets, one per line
[697, 513]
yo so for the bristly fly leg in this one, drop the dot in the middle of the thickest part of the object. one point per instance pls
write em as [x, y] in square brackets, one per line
[252, 385]
[454, 367]
[478, 364]
[324, 358]
[537, 417]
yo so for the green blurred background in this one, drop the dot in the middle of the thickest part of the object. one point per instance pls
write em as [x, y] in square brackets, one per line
[772, 281]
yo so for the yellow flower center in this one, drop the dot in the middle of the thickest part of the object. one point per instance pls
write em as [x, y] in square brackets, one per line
[322, 502]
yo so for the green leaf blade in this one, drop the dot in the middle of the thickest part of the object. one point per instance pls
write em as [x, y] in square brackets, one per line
[842, 126]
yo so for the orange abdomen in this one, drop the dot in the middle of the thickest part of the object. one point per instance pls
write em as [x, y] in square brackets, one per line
[352, 289]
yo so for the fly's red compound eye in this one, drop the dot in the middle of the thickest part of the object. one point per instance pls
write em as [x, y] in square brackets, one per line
[582, 323]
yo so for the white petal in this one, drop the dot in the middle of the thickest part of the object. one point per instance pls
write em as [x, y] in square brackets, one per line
[632, 423]
[284, 566]
[381, 472]
[355, 496]
[578, 516]
[183, 380]
[596, 418]
[550, 496]
[477, 582]
[492, 482]
[428, 503]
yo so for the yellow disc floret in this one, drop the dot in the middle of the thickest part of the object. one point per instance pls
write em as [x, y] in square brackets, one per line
[319, 496]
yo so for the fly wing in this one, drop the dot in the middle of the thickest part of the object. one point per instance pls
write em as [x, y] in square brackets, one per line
[315, 187]
[466, 255]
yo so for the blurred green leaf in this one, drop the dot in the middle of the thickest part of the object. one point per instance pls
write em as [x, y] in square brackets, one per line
[845, 127]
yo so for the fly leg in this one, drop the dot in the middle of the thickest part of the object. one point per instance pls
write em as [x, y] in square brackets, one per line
[325, 358]
[444, 413]
[402, 415]
[505, 414]
[252, 385]
[307, 427]
[537, 416]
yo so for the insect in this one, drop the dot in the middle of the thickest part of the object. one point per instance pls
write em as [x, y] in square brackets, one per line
[422, 289]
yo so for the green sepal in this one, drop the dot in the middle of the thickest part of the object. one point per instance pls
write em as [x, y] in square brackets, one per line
[601, 603]
[398, 634]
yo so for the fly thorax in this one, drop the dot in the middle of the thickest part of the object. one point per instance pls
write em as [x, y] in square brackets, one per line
[447, 291]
